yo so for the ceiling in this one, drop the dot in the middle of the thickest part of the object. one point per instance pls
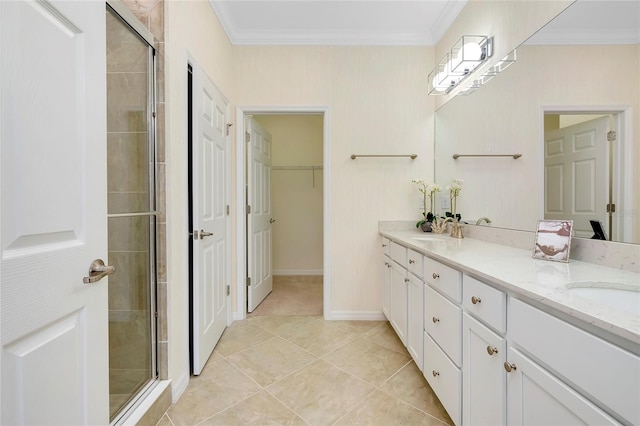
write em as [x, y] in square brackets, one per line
[336, 22]
[411, 22]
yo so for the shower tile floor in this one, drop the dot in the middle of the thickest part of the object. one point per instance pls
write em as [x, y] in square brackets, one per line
[302, 370]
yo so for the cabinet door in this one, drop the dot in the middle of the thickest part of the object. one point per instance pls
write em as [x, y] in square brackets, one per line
[398, 306]
[484, 381]
[386, 286]
[415, 332]
[535, 397]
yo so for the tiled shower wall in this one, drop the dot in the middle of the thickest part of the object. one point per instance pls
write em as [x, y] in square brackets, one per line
[151, 15]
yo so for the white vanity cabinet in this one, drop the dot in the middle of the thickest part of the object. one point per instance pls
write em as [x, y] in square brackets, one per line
[494, 358]
[386, 274]
[576, 376]
[398, 305]
[484, 353]
[406, 298]
[415, 315]
[484, 381]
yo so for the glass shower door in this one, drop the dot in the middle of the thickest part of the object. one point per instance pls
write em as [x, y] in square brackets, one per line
[131, 212]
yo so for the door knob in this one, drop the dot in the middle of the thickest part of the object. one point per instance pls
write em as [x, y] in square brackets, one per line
[272, 220]
[205, 234]
[97, 271]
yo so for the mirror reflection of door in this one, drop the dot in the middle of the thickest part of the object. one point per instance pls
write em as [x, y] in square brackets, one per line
[578, 173]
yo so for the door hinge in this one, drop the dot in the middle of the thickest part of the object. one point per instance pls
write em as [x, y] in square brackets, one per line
[611, 208]
[247, 137]
[248, 281]
[228, 290]
[229, 128]
[248, 209]
[227, 209]
[611, 136]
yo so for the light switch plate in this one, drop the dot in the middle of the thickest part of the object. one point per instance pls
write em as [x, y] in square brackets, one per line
[445, 202]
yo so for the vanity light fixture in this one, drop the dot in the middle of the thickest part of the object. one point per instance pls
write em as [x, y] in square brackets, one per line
[465, 56]
[489, 74]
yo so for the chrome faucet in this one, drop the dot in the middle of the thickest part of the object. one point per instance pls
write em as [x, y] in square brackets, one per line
[486, 219]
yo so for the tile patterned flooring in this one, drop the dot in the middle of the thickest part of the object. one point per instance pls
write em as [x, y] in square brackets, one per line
[302, 370]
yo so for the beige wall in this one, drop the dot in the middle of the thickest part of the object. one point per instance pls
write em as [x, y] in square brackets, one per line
[192, 31]
[296, 195]
[510, 191]
[377, 102]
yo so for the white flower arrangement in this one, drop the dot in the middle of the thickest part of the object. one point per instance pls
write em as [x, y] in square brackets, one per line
[454, 189]
[428, 190]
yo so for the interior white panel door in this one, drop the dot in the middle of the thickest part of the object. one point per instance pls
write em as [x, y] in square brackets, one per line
[211, 221]
[259, 218]
[53, 213]
[576, 174]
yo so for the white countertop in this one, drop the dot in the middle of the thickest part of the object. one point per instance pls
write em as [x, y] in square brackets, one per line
[545, 282]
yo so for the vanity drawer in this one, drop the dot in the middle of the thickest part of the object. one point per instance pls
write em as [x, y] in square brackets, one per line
[444, 378]
[443, 321]
[443, 278]
[414, 262]
[599, 369]
[398, 253]
[485, 303]
[386, 245]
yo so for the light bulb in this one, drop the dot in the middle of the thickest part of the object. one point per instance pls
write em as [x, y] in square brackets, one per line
[470, 52]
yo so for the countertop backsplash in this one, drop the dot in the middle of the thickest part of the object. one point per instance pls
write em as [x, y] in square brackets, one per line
[606, 253]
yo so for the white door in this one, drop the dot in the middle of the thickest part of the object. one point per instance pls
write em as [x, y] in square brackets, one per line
[575, 174]
[259, 218]
[54, 213]
[210, 233]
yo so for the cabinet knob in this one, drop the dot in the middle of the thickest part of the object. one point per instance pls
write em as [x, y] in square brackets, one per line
[435, 276]
[435, 320]
[509, 367]
[388, 265]
[491, 350]
[435, 373]
[384, 245]
[411, 261]
[406, 280]
[475, 300]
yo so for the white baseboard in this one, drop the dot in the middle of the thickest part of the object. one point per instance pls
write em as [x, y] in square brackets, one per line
[179, 386]
[356, 316]
[297, 272]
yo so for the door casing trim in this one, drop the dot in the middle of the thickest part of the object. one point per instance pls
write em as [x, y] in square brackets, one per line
[241, 238]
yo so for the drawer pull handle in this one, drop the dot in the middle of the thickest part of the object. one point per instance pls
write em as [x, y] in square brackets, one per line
[509, 367]
[411, 261]
[435, 373]
[435, 276]
[491, 350]
[406, 280]
[435, 320]
[475, 300]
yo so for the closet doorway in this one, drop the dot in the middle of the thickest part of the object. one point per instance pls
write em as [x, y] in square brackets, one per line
[285, 216]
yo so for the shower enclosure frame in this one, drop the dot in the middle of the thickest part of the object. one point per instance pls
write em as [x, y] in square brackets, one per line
[126, 17]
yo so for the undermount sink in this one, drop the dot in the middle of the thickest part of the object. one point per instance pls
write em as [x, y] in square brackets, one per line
[614, 295]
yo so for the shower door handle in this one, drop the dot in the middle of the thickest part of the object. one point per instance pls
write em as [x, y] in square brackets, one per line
[97, 271]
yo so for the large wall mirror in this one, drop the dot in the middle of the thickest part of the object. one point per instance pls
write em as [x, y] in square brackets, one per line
[575, 82]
